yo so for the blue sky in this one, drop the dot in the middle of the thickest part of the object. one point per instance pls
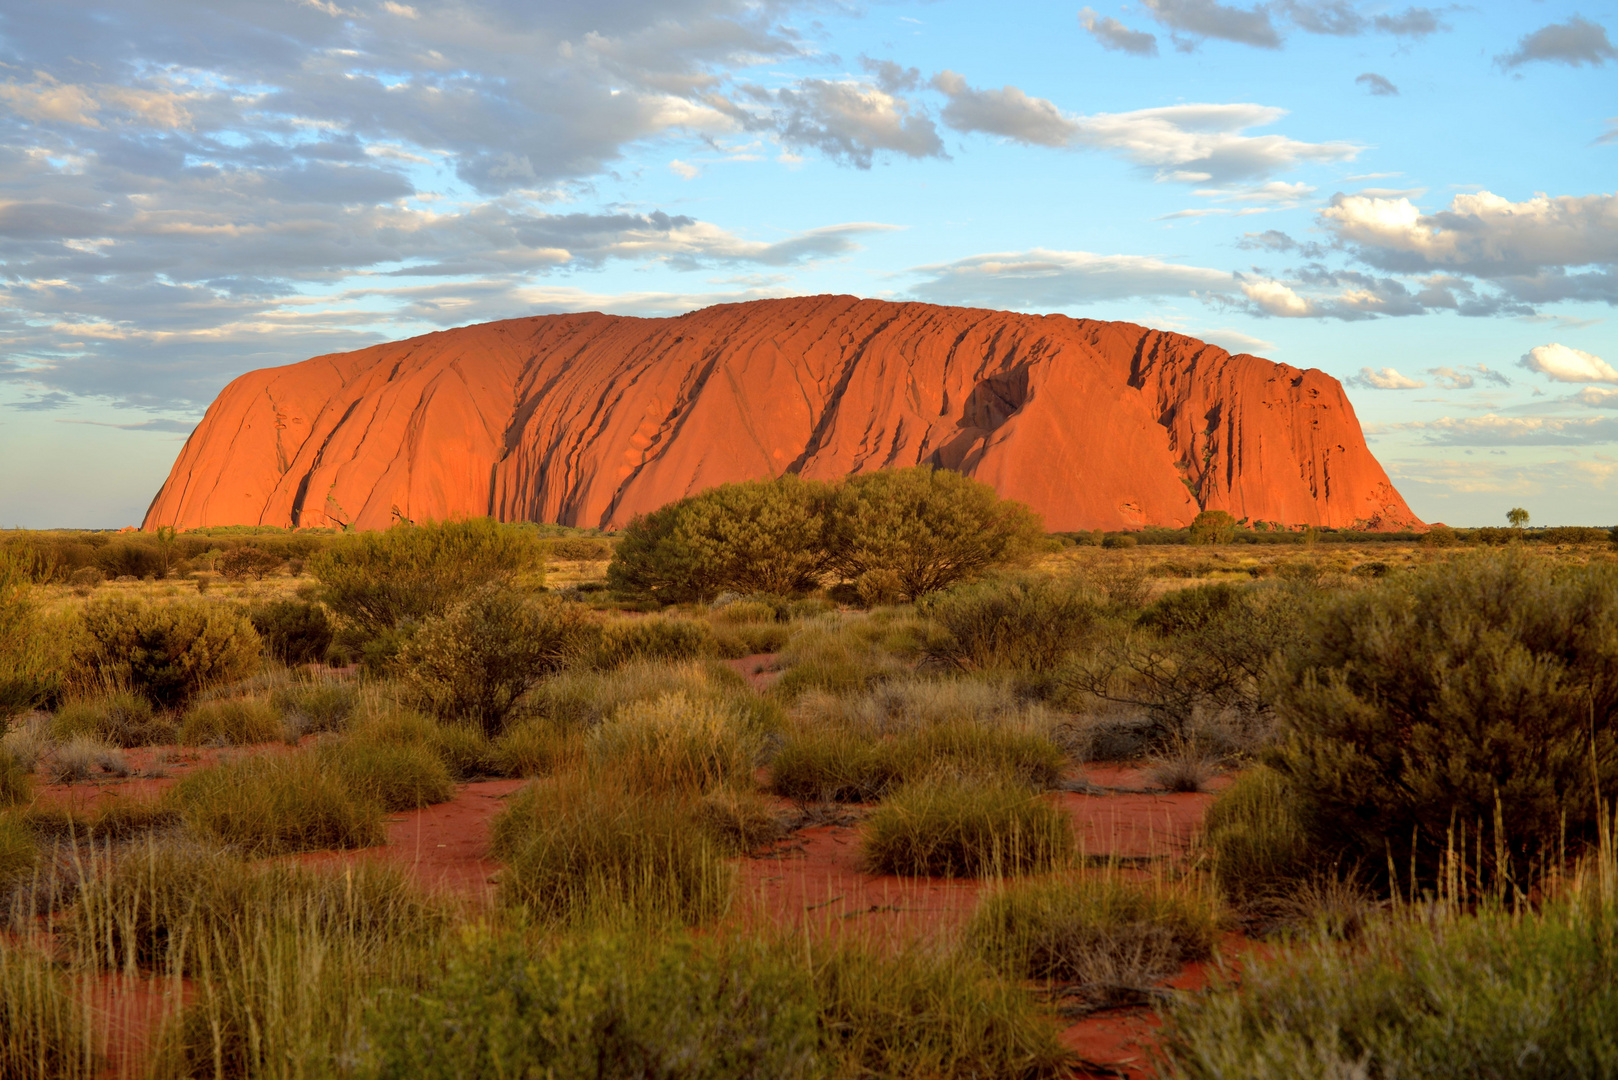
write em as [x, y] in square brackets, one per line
[1418, 200]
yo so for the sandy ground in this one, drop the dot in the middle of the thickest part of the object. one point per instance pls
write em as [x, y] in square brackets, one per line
[811, 880]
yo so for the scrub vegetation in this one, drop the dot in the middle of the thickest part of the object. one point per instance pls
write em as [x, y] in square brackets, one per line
[1406, 749]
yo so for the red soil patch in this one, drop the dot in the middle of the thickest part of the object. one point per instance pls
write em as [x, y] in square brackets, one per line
[758, 669]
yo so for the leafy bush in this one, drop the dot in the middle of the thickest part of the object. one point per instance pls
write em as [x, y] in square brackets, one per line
[603, 1005]
[582, 847]
[925, 529]
[168, 652]
[942, 827]
[121, 719]
[1465, 700]
[1529, 994]
[1208, 650]
[1114, 938]
[474, 662]
[277, 804]
[395, 777]
[759, 536]
[378, 580]
[578, 549]
[231, 722]
[629, 640]
[1019, 625]
[293, 631]
[244, 562]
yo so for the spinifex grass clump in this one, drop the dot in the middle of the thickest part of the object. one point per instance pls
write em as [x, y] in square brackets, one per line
[846, 653]
[314, 705]
[847, 763]
[16, 782]
[950, 827]
[231, 722]
[395, 777]
[18, 853]
[157, 902]
[464, 750]
[602, 1005]
[673, 742]
[652, 639]
[1112, 938]
[1025, 624]
[584, 846]
[922, 1012]
[47, 1026]
[1255, 843]
[121, 719]
[277, 804]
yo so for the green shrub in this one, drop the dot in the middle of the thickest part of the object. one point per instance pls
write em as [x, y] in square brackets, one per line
[167, 652]
[1253, 838]
[1528, 994]
[1112, 937]
[1469, 704]
[629, 641]
[925, 528]
[476, 660]
[247, 561]
[759, 536]
[581, 847]
[18, 853]
[675, 741]
[315, 705]
[46, 1022]
[603, 1005]
[293, 631]
[578, 549]
[16, 782]
[378, 580]
[1019, 625]
[277, 804]
[395, 777]
[943, 827]
[231, 722]
[120, 719]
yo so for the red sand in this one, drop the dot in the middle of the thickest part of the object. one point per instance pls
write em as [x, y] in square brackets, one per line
[812, 879]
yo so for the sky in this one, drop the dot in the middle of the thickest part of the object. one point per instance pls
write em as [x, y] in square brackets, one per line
[1418, 200]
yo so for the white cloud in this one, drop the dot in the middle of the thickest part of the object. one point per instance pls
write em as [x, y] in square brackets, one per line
[684, 169]
[851, 121]
[1494, 430]
[1575, 42]
[1386, 379]
[1565, 364]
[1597, 398]
[1062, 279]
[1465, 377]
[1275, 298]
[1112, 34]
[1197, 143]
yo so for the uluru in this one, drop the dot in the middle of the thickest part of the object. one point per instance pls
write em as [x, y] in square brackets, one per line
[590, 419]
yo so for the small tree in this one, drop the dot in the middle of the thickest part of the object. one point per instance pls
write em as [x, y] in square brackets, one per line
[1517, 517]
[923, 529]
[241, 563]
[476, 660]
[1213, 527]
[168, 652]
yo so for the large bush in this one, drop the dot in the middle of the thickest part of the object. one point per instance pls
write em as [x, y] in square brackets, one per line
[903, 533]
[473, 662]
[1477, 694]
[761, 536]
[167, 652]
[293, 631]
[378, 580]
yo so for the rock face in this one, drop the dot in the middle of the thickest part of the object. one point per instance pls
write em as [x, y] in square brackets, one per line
[591, 419]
